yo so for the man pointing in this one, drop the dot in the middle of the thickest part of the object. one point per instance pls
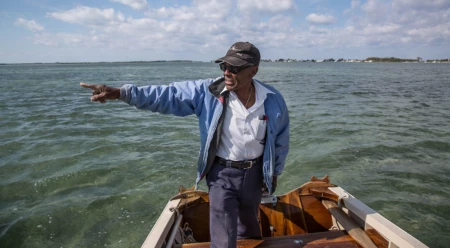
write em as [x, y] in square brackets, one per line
[244, 136]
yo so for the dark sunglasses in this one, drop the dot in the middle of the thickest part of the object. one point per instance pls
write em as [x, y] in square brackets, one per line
[232, 69]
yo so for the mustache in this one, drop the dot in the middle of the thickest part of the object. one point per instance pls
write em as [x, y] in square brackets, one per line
[230, 77]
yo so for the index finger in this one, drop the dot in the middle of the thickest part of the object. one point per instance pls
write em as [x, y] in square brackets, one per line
[86, 85]
[89, 86]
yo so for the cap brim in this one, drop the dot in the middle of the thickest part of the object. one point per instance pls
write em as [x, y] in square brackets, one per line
[232, 61]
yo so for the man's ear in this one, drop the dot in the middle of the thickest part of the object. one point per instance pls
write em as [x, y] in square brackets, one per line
[254, 70]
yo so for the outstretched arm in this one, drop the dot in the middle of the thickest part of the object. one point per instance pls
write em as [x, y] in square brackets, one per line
[101, 92]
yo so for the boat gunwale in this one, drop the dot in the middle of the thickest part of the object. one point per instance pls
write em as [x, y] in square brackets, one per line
[396, 236]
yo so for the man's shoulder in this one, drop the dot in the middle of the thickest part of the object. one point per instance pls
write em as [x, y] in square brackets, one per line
[207, 82]
[270, 88]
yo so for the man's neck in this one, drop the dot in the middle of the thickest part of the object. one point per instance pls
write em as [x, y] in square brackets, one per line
[246, 94]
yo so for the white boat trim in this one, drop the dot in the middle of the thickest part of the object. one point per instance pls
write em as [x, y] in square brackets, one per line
[162, 226]
[396, 236]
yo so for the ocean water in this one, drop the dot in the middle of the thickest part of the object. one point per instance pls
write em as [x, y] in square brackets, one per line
[74, 173]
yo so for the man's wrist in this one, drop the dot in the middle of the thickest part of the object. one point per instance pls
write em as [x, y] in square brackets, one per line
[116, 93]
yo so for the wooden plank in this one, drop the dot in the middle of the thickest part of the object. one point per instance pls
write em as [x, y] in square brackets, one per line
[162, 226]
[379, 241]
[272, 216]
[312, 240]
[294, 221]
[350, 226]
[317, 217]
[264, 221]
[324, 193]
[394, 234]
[285, 217]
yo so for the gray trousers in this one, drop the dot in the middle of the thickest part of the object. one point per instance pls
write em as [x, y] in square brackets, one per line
[234, 197]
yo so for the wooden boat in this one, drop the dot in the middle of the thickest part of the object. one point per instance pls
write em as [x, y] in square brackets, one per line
[317, 214]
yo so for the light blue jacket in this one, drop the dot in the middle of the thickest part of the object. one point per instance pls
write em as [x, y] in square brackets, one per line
[202, 98]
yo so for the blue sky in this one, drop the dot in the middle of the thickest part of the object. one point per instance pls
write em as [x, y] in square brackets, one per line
[202, 30]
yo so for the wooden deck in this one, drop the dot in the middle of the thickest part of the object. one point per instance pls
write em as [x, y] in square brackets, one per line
[323, 239]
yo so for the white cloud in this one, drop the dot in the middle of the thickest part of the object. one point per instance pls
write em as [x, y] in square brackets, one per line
[273, 6]
[421, 4]
[31, 25]
[46, 39]
[210, 11]
[205, 27]
[88, 16]
[355, 4]
[182, 13]
[320, 19]
[317, 30]
[377, 30]
[134, 4]
[404, 22]
[376, 10]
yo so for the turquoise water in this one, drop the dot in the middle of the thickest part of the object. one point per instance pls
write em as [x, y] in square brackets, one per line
[74, 173]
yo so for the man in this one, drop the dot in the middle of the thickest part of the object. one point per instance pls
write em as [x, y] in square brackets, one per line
[244, 134]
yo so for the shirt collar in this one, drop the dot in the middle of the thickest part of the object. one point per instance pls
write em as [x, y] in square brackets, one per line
[258, 88]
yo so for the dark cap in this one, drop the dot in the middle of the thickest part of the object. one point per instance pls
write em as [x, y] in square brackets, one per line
[240, 54]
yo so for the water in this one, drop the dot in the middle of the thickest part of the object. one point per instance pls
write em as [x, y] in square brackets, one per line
[74, 173]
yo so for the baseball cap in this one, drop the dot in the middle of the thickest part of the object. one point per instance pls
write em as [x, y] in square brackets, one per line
[240, 54]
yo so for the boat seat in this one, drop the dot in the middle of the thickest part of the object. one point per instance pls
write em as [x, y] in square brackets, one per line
[322, 239]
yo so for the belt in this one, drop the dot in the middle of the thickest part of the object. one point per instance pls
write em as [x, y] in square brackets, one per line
[245, 164]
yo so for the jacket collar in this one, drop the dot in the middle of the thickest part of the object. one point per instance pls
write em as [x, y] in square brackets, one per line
[217, 87]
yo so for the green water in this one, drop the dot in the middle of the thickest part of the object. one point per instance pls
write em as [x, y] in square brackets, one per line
[79, 174]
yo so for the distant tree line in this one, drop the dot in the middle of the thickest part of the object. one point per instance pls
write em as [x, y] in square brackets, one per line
[391, 59]
[369, 59]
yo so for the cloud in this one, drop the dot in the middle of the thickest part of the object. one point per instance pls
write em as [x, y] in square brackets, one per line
[376, 10]
[377, 30]
[134, 4]
[31, 25]
[279, 23]
[199, 10]
[205, 27]
[182, 13]
[317, 30]
[354, 4]
[421, 5]
[88, 16]
[320, 19]
[46, 39]
[212, 9]
[404, 22]
[273, 6]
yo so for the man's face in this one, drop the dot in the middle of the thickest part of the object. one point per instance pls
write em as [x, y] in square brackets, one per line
[240, 79]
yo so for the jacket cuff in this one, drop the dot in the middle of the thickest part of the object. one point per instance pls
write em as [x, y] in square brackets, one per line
[125, 93]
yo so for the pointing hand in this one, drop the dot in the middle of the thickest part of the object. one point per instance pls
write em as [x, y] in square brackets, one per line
[101, 93]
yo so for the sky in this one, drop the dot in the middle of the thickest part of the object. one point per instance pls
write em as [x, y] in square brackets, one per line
[202, 30]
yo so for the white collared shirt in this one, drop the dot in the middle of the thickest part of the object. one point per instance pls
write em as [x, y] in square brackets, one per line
[244, 130]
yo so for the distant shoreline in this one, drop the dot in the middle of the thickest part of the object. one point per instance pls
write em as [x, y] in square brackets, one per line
[368, 60]
[115, 62]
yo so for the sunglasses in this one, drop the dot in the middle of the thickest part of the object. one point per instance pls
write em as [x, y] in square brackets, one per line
[232, 69]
